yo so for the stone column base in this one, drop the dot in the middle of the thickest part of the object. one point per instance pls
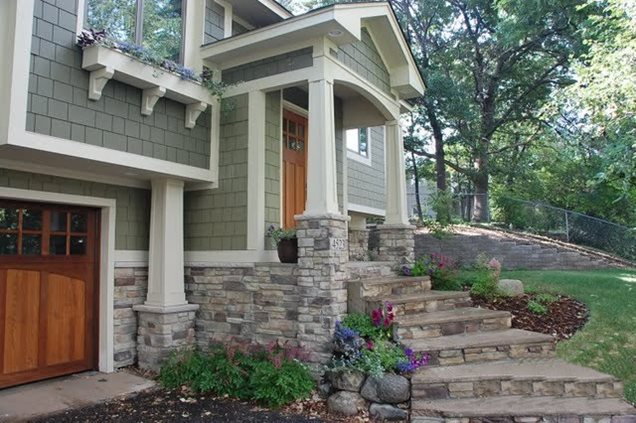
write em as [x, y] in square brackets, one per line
[396, 243]
[163, 330]
[359, 244]
[323, 253]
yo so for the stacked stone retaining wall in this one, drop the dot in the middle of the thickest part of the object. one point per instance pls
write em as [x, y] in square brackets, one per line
[514, 251]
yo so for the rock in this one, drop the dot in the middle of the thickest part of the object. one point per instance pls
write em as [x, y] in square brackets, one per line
[510, 287]
[345, 403]
[393, 389]
[370, 389]
[325, 389]
[387, 412]
[347, 380]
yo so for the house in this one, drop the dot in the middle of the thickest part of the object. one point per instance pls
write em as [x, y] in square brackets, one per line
[134, 203]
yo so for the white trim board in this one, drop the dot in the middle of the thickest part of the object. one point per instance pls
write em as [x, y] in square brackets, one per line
[210, 258]
[295, 108]
[359, 208]
[106, 260]
[131, 258]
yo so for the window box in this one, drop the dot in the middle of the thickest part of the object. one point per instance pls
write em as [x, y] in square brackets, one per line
[105, 64]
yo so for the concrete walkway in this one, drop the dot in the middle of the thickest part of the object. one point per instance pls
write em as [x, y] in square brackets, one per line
[56, 395]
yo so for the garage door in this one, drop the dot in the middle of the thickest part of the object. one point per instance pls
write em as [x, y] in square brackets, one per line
[48, 295]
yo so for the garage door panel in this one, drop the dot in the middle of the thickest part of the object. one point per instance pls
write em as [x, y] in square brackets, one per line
[65, 319]
[22, 320]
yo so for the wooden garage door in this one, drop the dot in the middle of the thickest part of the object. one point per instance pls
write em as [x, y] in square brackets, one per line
[48, 295]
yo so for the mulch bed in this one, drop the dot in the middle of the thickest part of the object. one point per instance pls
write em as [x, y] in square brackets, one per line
[564, 317]
[161, 405]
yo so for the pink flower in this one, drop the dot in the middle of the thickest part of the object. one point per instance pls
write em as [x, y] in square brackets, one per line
[370, 344]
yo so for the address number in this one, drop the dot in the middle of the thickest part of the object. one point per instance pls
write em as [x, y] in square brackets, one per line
[338, 244]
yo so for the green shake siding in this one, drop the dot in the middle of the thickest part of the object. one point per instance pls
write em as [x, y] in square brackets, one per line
[273, 146]
[133, 204]
[216, 219]
[364, 59]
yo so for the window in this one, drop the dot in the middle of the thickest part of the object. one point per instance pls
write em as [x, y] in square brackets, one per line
[153, 24]
[358, 141]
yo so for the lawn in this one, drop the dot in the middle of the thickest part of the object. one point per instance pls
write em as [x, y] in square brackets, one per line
[608, 341]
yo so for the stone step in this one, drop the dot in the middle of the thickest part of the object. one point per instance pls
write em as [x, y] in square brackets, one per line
[534, 377]
[524, 409]
[484, 346]
[452, 322]
[360, 290]
[425, 302]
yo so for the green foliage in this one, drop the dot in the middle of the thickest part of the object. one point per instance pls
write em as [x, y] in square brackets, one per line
[545, 298]
[363, 324]
[536, 307]
[442, 206]
[383, 356]
[277, 234]
[276, 386]
[272, 377]
[485, 278]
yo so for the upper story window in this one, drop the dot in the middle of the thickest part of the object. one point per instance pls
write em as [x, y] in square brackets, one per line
[358, 141]
[156, 25]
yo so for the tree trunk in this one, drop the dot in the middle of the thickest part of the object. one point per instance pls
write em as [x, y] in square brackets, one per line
[480, 181]
[416, 175]
[440, 156]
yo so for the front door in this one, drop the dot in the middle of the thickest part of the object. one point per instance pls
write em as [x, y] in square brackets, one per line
[48, 294]
[294, 166]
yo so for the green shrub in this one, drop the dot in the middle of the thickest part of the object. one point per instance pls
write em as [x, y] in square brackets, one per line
[545, 298]
[363, 324]
[485, 278]
[536, 307]
[276, 386]
[272, 376]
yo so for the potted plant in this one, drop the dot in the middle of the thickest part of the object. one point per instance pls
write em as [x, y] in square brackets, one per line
[285, 242]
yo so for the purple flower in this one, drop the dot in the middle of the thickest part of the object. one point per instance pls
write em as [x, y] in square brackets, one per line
[407, 271]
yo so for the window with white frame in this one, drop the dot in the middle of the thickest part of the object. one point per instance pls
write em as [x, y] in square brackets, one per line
[358, 143]
[156, 25]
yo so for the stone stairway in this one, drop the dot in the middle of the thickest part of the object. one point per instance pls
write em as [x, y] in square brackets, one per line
[480, 369]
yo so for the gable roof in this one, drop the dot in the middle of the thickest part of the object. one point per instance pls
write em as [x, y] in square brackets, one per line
[260, 12]
[342, 24]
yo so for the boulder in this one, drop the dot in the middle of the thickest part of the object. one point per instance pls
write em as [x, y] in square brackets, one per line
[510, 287]
[393, 389]
[325, 389]
[347, 380]
[345, 403]
[370, 389]
[387, 412]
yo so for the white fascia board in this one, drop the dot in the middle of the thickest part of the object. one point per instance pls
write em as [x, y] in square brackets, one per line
[276, 8]
[370, 211]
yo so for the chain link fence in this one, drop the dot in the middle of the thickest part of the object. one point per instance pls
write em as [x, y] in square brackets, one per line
[565, 225]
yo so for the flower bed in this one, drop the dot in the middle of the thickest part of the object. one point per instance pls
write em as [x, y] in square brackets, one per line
[369, 369]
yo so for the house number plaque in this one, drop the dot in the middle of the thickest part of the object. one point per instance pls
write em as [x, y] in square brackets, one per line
[338, 244]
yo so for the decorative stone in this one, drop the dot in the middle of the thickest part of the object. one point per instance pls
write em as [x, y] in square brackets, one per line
[347, 380]
[393, 389]
[387, 412]
[370, 389]
[510, 287]
[325, 389]
[345, 403]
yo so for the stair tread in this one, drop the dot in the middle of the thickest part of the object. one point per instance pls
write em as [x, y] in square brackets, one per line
[393, 279]
[522, 406]
[545, 369]
[455, 315]
[478, 340]
[424, 296]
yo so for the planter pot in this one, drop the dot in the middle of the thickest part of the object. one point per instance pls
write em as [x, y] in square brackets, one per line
[288, 250]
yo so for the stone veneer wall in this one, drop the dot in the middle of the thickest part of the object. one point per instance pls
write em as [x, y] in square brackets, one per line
[131, 286]
[252, 302]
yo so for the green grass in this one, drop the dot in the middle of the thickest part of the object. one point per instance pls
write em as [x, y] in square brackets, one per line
[608, 341]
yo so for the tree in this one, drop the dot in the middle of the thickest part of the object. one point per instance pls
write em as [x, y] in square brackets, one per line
[488, 65]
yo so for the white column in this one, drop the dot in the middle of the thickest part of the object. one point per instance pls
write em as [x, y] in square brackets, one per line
[322, 191]
[256, 171]
[395, 176]
[193, 27]
[166, 286]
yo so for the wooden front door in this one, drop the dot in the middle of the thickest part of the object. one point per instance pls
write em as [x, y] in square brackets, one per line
[294, 166]
[48, 293]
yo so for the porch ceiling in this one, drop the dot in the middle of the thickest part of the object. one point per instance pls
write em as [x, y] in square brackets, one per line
[342, 24]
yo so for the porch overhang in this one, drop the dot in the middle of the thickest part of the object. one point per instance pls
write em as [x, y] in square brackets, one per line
[341, 24]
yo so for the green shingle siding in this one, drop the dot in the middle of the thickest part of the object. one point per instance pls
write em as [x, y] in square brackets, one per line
[364, 59]
[366, 183]
[214, 22]
[58, 102]
[217, 219]
[273, 121]
[133, 204]
[270, 66]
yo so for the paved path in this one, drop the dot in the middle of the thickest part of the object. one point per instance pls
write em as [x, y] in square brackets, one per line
[53, 396]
